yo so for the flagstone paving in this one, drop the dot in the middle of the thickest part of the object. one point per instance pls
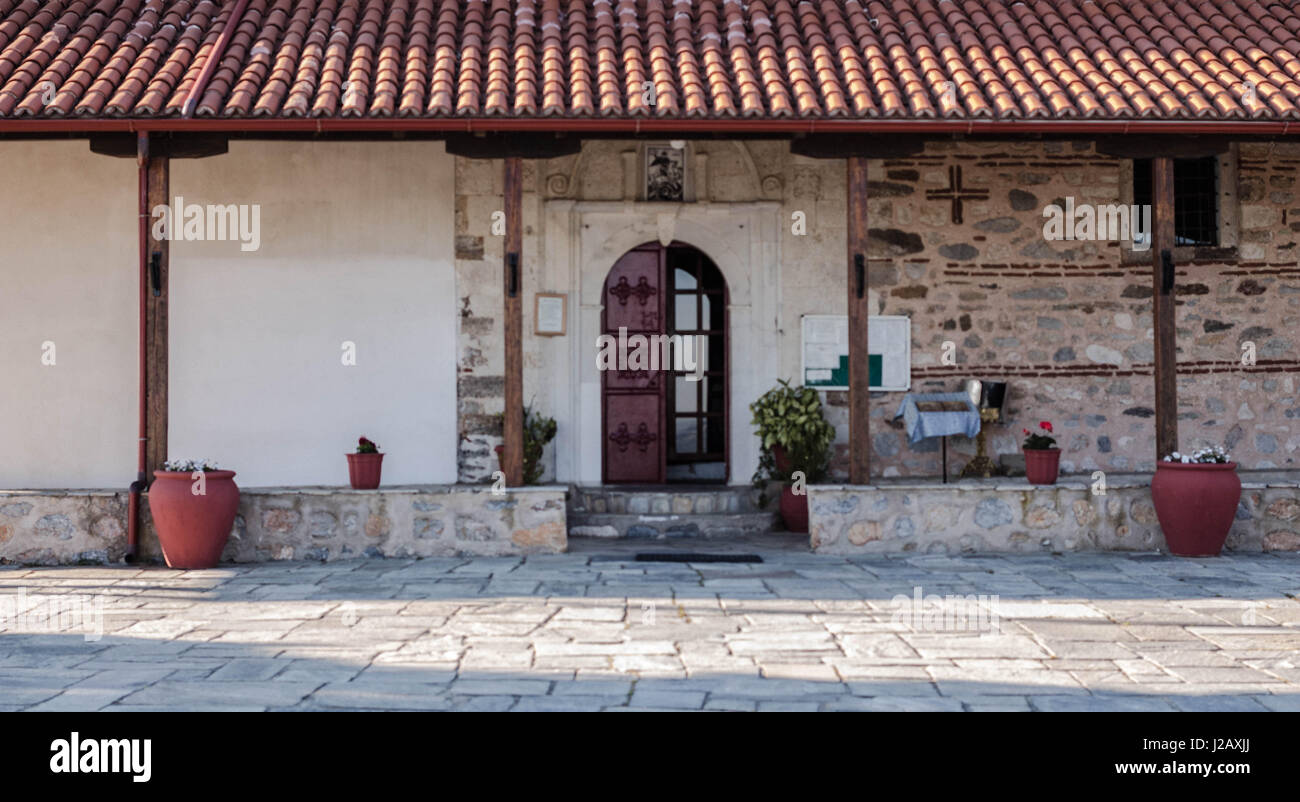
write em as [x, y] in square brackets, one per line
[596, 630]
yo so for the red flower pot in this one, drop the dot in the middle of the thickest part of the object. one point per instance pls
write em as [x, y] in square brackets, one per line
[1042, 465]
[193, 528]
[794, 509]
[1196, 504]
[364, 470]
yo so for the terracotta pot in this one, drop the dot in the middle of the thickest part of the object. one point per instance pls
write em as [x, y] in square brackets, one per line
[1196, 505]
[1042, 465]
[364, 470]
[781, 459]
[193, 529]
[794, 510]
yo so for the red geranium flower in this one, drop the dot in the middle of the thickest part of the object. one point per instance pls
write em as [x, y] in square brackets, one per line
[1045, 425]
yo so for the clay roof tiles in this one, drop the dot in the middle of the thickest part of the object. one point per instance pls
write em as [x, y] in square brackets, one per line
[772, 59]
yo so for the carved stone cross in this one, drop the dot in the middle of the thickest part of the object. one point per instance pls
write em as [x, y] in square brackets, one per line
[956, 193]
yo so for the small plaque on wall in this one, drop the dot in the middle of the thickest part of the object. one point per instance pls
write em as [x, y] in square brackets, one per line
[550, 314]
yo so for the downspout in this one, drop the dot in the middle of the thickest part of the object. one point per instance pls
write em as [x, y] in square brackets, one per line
[141, 483]
[214, 60]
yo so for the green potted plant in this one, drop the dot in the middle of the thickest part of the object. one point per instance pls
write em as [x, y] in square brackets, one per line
[365, 465]
[1042, 457]
[1196, 497]
[538, 431]
[193, 503]
[795, 441]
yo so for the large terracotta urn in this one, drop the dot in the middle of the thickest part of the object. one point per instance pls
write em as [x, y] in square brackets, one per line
[1196, 504]
[793, 506]
[193, 516]
[794, 509]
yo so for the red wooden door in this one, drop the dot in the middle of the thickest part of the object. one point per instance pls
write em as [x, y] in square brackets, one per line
[634, 442]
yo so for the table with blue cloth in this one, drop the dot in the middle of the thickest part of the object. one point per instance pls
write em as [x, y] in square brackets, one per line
[938, 415]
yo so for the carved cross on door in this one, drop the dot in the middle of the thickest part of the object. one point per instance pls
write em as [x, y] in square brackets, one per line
[956, 193]
[622, 290]
[643, 437]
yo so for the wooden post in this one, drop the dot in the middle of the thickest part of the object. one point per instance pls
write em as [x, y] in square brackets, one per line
[1163, 310]
[859, 364]
[513, 453]
[158, 194]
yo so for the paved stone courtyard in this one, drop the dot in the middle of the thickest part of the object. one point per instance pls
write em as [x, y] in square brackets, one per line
[596, 630]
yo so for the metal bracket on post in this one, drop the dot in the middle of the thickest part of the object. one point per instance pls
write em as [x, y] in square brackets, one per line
[512, 259]
[155, 273]
[1166, 272]
[860, 272]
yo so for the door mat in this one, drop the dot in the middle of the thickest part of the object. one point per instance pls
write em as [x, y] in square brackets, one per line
[695, 557]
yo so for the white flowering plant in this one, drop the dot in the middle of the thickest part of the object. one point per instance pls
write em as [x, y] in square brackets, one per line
[191, 465]
[1209, 455]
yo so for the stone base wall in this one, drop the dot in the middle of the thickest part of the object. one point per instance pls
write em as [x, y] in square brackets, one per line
[54, 528]
[1009, 516]
[51, 527]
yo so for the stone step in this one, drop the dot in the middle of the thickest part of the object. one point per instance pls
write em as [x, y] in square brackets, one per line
[706, 525]
[659, 500]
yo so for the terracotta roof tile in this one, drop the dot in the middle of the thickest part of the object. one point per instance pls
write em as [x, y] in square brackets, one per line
[582, 92]
[940, 59]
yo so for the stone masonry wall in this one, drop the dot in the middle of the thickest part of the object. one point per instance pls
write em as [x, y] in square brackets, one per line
[305, 523]
[480, 386]
[1068, 324]
[990, 516]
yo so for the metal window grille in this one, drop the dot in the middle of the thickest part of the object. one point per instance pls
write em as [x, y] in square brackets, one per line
[1196, 198]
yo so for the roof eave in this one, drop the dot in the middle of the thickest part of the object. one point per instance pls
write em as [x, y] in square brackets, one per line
[685, 126]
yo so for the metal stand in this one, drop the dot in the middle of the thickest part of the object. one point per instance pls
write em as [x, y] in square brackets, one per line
[981, 466]
[945, 459]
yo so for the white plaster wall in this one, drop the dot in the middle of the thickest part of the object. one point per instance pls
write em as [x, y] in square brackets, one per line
[68, 275]
[356, 245]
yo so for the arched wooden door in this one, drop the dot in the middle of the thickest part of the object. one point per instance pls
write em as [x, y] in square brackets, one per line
[666, 424]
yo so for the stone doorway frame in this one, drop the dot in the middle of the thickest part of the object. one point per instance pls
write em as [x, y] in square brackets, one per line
[581, 242]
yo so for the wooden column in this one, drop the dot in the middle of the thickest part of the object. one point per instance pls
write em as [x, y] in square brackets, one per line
[859, 365]
[158, 169]
[513, 454]
[1163, 312]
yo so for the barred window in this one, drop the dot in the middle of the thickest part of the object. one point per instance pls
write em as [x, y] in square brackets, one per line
[1196, 198]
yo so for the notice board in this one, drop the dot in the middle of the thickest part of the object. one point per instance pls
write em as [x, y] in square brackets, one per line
[826, 352]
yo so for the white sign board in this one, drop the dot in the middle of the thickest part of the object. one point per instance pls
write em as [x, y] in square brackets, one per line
[826, 352]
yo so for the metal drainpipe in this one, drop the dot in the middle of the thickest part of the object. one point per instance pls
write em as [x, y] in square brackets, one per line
[214, 60]
[141, 483]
